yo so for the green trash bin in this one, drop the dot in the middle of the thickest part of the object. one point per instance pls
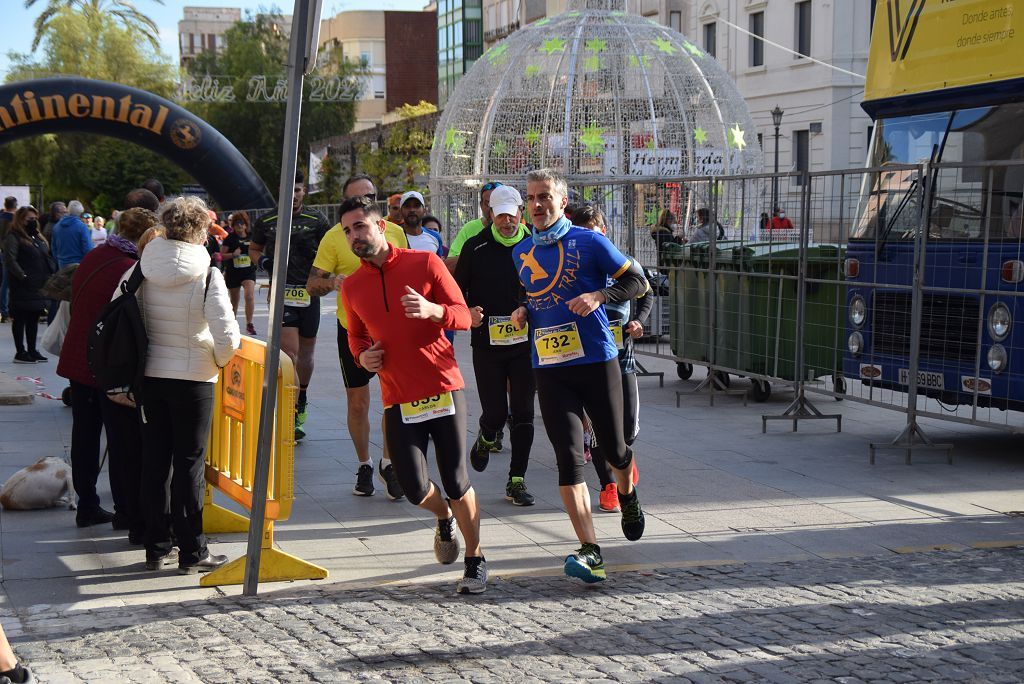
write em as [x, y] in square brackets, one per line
[690, 322]
[754, 329]
[768, 345]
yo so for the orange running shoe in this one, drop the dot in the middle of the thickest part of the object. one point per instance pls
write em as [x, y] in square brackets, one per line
[609, 499]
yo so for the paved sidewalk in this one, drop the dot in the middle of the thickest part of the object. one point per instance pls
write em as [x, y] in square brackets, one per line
[718, 494]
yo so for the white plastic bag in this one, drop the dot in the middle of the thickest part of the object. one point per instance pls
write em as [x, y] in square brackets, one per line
[53, 338]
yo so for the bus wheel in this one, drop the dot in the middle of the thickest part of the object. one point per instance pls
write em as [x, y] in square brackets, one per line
[840, 386]
[684, 370]
[760, 390]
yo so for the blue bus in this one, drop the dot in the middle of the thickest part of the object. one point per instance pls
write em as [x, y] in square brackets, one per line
[945, 89]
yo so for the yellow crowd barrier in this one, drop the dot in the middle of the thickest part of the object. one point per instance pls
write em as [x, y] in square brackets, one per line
[231, 463]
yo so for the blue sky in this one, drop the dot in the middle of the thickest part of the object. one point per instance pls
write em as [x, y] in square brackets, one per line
[17, 35]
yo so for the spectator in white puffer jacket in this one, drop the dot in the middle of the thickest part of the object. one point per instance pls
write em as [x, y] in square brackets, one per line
[192, 333]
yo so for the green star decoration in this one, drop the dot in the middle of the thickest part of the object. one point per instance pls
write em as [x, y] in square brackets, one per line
[453, 140]
[692, 49]
[700, 135]
[499, 149]
[664, 45]
[596, 45]
[651, 216]
[635, 61]
[553, 45]
[496, 52]
[588, 193]
[532, 70]
[736, 137]
[649, 144]
[592, 139]
[532, 136]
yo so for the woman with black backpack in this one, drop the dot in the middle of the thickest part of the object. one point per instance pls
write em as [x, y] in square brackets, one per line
[27, 259]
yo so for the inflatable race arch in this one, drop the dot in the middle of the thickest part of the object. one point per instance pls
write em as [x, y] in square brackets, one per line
[81, 105]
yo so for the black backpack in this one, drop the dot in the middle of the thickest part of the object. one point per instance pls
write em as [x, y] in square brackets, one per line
[118, 342]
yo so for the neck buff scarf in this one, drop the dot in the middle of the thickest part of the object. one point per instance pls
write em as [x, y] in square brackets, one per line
[553, 234]
[125, 245]
[507, 241]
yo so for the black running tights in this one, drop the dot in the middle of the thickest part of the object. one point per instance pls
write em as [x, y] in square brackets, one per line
[565, 392]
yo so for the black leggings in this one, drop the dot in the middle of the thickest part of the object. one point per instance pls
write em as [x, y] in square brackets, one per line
[630, 426]
[407, 444]
[25, 328]
[505, 382]
[176, 425]
[565, 392]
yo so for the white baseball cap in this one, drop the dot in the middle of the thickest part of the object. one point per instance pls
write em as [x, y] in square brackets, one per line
[412, 194]
[505, 200]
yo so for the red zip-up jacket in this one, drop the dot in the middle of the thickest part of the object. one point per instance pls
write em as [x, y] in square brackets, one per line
[418, 360]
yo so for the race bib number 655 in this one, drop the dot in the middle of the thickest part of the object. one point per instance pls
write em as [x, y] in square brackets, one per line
[428, 408]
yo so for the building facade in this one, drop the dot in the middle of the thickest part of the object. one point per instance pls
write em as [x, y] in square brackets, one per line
[460, 42]
[202, 29]
[398, 50]
[823, 126]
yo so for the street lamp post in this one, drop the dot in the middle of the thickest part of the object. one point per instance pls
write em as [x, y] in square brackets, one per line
[777, 120]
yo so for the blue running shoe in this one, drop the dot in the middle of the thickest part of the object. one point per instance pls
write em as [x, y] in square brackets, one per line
[586, 564]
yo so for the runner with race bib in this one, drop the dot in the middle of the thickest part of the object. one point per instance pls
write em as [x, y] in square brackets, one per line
[301, 318]
[501, 352]
[564, 270]
[399, 302]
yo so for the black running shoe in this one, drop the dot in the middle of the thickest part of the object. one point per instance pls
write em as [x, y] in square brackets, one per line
[517, 493]
[387, 476]
[497, 446]
[364, 481]
[480, 454]
[38, 357]
[632, 518]
[23, 357]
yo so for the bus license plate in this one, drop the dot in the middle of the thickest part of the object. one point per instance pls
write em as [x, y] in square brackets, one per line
[925, 379]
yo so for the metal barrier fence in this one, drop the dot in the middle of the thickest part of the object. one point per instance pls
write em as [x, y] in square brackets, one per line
[896, 286]
[231, 461]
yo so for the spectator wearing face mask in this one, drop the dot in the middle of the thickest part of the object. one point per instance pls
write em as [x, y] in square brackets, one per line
[780, 221]
[27, 257]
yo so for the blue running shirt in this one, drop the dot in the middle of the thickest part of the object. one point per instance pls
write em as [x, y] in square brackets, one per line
[552, 275]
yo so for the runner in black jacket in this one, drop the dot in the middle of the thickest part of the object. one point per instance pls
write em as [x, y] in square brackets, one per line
[501, 354]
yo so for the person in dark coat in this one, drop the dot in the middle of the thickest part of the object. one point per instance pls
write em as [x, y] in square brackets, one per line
[92, 286]
[27, 257]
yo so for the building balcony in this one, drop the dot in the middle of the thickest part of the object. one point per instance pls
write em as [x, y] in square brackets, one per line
[501, 31]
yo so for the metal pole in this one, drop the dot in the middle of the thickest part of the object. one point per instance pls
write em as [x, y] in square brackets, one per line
[775, 178]
[305, 30]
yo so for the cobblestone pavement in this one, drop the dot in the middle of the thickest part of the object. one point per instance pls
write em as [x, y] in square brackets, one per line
[939, 616]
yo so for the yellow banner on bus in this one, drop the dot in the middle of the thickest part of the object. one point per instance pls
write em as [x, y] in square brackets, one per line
[925, 45]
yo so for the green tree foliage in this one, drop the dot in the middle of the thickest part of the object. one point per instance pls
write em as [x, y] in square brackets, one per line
[405, 153]
[255, 47]
[79, 40]
[122, 11]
